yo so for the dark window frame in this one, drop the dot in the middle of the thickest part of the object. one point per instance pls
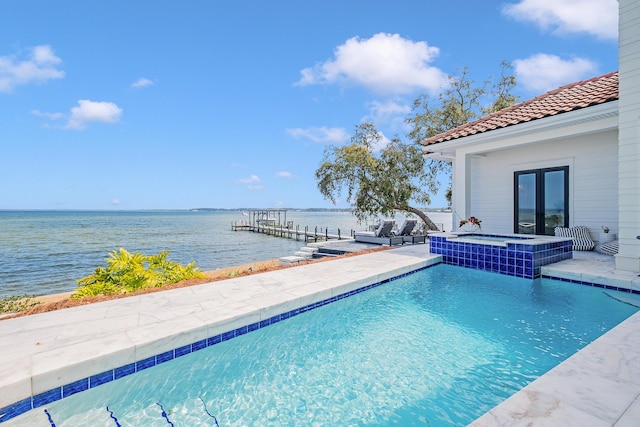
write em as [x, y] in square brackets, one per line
[540, 196]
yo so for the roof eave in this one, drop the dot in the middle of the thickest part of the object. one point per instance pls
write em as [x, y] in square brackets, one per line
[447, 149]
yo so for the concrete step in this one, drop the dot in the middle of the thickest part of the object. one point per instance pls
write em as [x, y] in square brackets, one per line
[324, 255]
[329, 250]
[308, 249]
[288, 260]
[304, 254]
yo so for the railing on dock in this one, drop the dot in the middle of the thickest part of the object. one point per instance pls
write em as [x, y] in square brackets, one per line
[265, 222]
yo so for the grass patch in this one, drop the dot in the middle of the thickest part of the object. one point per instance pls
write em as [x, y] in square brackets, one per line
[17, 303]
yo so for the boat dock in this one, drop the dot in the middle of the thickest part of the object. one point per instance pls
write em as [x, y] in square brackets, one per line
[274, 222]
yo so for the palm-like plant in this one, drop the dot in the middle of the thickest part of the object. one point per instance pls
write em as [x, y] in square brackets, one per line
[126, 272]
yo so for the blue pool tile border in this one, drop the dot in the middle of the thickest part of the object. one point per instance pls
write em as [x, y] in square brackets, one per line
[592, 284]
[75, 387]
[58, 393]
[125, 370]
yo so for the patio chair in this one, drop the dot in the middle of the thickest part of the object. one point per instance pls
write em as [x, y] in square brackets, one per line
[384, 229]
[406, 232]
[407, 227]
[381, 236]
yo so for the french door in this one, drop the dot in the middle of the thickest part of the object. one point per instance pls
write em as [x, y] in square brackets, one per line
[541, 200]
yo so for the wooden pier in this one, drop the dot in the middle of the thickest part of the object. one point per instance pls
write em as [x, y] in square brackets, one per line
[274, 222]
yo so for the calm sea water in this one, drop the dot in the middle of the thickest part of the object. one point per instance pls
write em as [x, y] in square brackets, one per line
[45, 252]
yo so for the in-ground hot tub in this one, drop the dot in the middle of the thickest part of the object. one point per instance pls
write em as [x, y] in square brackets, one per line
[512, 254]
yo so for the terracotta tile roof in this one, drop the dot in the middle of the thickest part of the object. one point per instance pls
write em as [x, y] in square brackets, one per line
[574, 96]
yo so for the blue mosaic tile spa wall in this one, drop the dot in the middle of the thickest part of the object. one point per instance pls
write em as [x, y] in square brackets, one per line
[515, 259]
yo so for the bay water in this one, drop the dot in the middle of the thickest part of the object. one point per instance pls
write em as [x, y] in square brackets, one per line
[46, 252]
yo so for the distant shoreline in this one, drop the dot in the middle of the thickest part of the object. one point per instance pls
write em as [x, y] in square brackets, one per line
[303, 209]
[206, 210]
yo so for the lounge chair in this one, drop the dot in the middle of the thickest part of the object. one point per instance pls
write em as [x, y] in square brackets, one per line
[382, 236]
[406, 229]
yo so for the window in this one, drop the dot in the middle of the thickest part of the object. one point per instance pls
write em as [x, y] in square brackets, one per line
[541, 200]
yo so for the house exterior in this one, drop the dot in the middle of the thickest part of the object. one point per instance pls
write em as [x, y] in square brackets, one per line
[569, 157]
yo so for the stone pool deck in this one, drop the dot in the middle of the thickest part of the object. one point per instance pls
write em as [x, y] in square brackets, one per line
[599, 386]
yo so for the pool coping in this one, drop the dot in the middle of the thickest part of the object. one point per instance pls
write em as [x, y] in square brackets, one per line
[600, 384]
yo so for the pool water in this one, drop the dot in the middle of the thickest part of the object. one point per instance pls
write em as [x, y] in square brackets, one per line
[439, 347]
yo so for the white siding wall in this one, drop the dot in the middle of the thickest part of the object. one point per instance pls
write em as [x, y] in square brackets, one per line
[593, 184]
[629, 145]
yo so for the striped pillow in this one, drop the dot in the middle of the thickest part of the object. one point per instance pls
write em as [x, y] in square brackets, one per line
[609, 248]
[580, 235]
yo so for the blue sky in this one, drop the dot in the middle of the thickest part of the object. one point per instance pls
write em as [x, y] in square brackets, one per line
[178, 105]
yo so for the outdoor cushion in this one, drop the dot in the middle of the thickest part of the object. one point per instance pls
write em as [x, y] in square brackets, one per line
[609, 248]
[580, 235]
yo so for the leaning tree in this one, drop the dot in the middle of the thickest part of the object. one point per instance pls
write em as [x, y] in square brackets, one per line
[377, 182]
[381, 177]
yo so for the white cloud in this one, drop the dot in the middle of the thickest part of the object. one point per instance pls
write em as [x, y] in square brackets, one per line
[380, 145]
[39, 67]
[52, 116]
[543, 72]
[142, 82]
[43, 55]
[89, 111]
[283, 174]
[115, 202]
[388, 113]
[596, 17]
[253, 182]
[320, 134]
[387, 109]
[252, 179]
[385, 63]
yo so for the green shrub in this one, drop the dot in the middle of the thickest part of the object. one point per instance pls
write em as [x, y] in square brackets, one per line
[233, 273]
[17, 303]
[126, 272]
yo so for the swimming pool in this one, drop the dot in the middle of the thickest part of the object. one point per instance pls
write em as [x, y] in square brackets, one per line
[439, 347]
